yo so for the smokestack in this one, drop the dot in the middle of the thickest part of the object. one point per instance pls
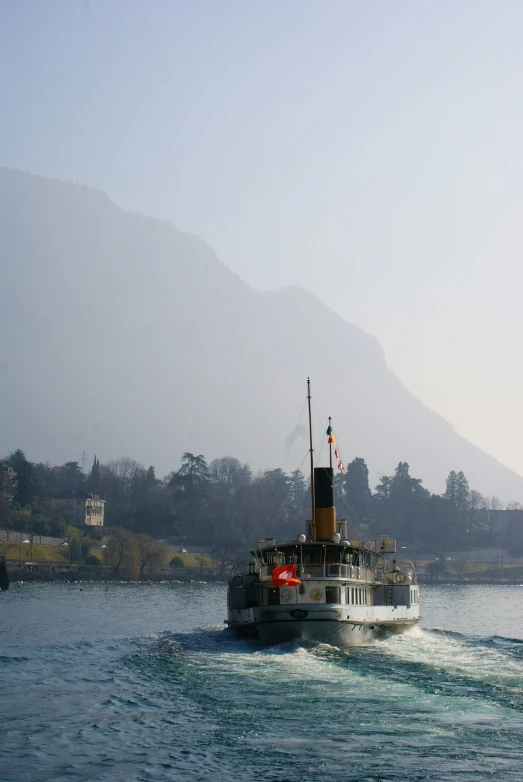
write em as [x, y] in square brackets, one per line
[325, 513]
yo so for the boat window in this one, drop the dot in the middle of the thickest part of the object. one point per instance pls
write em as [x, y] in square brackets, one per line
[285, 557]
[332, 594]
[333, 555]
[274, 597]
[313, 556]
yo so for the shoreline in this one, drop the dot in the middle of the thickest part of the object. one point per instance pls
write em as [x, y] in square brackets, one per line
[71, 577]
[25, 577]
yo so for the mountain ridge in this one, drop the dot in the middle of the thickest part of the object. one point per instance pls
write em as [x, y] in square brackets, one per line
[134, 338]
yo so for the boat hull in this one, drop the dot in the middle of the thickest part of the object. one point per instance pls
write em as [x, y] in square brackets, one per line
[336, 632]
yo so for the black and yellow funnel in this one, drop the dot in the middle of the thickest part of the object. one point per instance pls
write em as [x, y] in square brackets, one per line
[324, 510]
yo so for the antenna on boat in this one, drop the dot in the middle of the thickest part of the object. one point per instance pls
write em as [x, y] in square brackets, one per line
[311, 451]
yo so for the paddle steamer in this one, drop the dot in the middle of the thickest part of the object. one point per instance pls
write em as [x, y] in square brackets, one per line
[323, 587]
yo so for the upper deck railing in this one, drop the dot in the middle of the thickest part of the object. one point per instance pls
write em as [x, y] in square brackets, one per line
[382, 570]
[325, 570]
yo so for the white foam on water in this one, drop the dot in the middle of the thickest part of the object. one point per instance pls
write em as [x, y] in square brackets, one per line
[346, 681]
[463, 658]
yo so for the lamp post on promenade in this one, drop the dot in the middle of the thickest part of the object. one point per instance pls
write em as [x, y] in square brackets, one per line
[65, 543]
[22, 540]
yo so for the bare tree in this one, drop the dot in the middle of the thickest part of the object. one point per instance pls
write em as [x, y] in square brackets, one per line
[131, 475]
[460, 560]
[119, 548]
[223, 556]
[149, 551]
[491, 505]
[202, 560]
[514, 505]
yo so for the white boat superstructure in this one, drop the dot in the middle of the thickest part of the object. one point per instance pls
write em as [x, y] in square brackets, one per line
[347, 593]
[323, 587]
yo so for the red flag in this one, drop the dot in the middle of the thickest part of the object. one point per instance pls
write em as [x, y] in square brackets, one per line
[285, 575]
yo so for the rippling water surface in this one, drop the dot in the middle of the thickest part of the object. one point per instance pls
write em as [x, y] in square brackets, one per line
[144, 683]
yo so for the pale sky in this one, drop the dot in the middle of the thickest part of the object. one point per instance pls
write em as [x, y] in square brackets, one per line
[369, 151]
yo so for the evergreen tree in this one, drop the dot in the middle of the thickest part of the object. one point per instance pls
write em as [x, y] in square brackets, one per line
[193, 477]
[298, 490]
[356, 489]
[94, 478]
[150, 480]
[400, 504]
[246, 474]
[451, 489]
[71, 476]
[25, 488]
[462, 494]
[15, 459]
[457, 492]
[383, 489]
[190, 487]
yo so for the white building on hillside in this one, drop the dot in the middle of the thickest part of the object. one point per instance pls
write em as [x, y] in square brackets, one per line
[82, 506]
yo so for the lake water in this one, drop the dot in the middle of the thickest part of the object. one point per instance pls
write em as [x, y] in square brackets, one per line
[124, 683]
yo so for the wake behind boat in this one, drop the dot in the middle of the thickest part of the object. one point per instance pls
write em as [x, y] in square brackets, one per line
[323, 587]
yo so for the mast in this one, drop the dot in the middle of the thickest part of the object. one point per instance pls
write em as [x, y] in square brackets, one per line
[330, 446]
[311, 451]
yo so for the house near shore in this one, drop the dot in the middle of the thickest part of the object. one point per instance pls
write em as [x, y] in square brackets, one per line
[82, 506]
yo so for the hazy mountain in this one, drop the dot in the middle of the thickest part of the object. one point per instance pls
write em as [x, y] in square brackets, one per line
[123, 336]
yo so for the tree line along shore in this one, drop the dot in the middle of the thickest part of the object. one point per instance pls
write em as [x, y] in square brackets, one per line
[207, 516]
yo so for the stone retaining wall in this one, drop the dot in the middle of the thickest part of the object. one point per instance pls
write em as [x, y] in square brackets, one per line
[13, 536]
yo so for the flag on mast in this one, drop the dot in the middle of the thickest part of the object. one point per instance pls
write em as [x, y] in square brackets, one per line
[330, 433]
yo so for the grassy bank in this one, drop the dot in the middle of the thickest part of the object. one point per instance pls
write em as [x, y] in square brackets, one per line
[11, 551]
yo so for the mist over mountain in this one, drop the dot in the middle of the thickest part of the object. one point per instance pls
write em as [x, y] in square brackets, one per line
[122, 335]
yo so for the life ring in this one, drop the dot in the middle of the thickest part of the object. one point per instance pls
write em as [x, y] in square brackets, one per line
[400, 577]
[237, 581]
